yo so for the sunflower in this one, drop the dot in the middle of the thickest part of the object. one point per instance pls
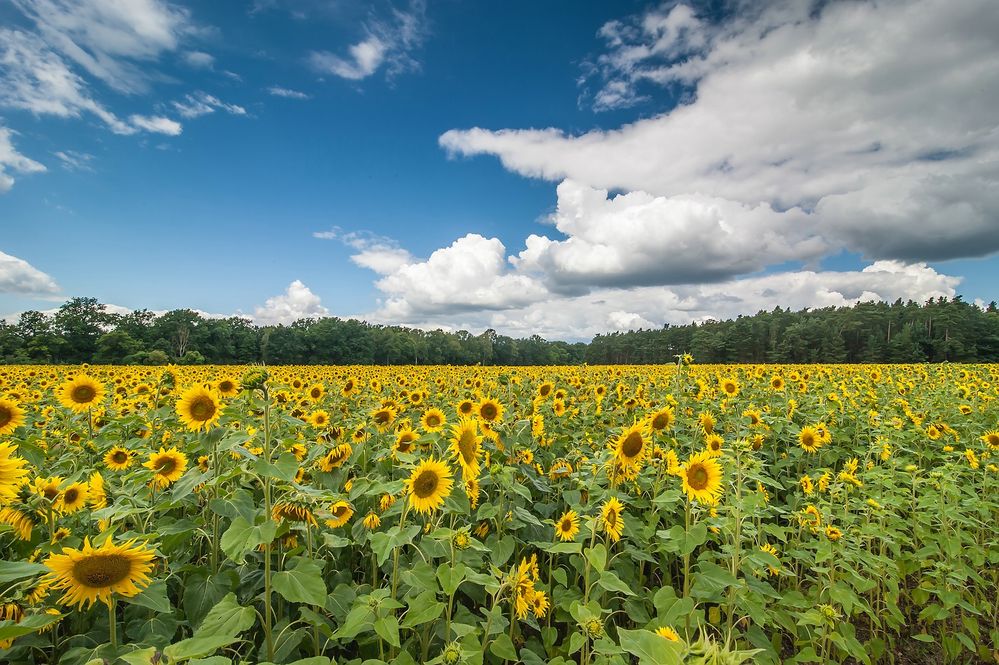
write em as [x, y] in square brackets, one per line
[96, 574]
[702, 478]
[714, 445]
[19, 522]
[319, 419]
[770, 549]
[383, 418]
[335, 458]
[668, 633]
[342, 512]
[198, 408]
[404, 441]
[809, 439]
[662, 420]
[317, 392]
[540, 604]
[48, 488]
[350, 386]
[96, 496]
[610, 517]
[12, 472]
[729, 386]
[11, 416]
[73, 498]
[80, 394]
[227, 387]
[567, 526]
[371, 521]
[433, 420]
[560, 468]
[632, 446]
[777, 382]
[489, 410]
[290, 511]
[167, 466]
[833, 533]
[429, 483]
[707, 422]
[465, 446]
[991, 439]
[118, 458]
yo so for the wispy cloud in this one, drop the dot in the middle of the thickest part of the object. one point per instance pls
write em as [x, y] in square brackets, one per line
[201, 103]
[12, 160]
[378, 253]
[74, 161]
[387, 43]
[157, 124]
[278, 91]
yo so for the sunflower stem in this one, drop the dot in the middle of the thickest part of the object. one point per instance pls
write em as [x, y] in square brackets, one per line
[266, 482]
[113, 623]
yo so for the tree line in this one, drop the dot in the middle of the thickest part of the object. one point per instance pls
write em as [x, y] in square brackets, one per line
[83, 330]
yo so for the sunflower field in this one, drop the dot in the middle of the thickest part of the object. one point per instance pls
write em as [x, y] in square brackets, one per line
[595, 515]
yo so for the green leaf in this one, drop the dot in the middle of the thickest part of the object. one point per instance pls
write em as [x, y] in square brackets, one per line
[650, 648]
[597, 556]
[503, 647]
[302, 584]
[450, 578]
[923, 637]
[241, 537]
[31, 624]
[18, 570]
[503, 550]
[387, 628]
[153, 597]
[564, 548]
[140, 656]
[227, 618]
[196, 647]
[358, 620]
[612, 582]
[422, 609]
[284, 468]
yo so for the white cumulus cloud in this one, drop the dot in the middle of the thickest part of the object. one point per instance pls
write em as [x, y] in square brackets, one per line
[297, 302]
[20, 277]
[12, 160]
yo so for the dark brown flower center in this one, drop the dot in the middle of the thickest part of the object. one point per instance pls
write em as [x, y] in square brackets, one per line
[119, 457]
[6, 415]
[83, 394]
[165, 465]
[466, 446]
[202, 408]
[488, 411]
[101, 570]
[697, 477]
[426, 483]
[71, 496]
[632, 445]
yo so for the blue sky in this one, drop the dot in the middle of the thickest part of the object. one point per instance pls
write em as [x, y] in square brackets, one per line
[283, 159]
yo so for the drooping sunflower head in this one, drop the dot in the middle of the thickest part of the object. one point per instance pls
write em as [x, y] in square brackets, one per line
[428, 485]
[702, 478]
[11, 416]
[335, 458]
[198, 408]
[340, 512]
[80, 394]
[167, 466]
[292, 511]
[668, 633]
[94, 574]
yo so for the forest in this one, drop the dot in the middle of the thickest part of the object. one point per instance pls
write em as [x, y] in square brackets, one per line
[83, 330]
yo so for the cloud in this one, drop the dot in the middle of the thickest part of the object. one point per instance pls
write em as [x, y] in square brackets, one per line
[374, 252]
[157, 124]
[12, 160]
[20, 277]
[638, 239]
[580, 317]
[74, 161]
[386, 42]
[109, 39]
[199, 59]
[882, 142]
[471, 274]
[201, 103]
[297, 302]
[278, 91]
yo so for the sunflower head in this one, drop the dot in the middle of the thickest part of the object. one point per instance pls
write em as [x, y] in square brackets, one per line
[80, 394]
[167, 466]
[489, 410]
[198, 408]
[610, 517]
[567, 526]
[91, 574]
[11, 416]
[428, 485]
[702, 478]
